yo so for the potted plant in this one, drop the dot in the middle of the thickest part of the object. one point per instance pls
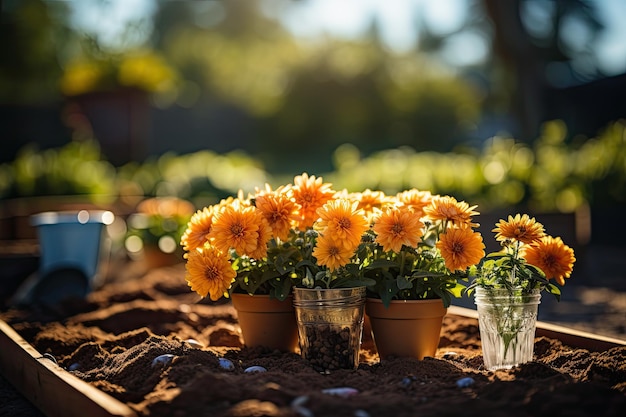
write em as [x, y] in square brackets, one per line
[508, 286]
[155, 229]
[268, 244]
[419, 249]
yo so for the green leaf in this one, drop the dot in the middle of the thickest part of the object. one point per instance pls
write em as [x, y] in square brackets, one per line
[403, 283]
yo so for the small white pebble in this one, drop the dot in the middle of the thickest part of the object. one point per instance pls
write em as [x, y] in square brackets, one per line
[465, 382]
[341, 391]
[194, 343]
[162, 360]
[255, 369]
[297, 405]
[226, 364]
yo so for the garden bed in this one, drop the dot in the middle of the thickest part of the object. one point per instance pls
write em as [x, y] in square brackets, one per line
[105, 348]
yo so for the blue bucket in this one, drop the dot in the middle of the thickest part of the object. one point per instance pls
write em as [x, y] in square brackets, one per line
[71, 240]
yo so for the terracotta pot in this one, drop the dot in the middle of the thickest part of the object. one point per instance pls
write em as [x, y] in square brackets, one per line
[407, 328]
[156, 258]
[266, 321]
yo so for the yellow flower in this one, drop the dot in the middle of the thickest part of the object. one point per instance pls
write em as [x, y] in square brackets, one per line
[279, 210]
[552, 256]
[396, 227]
[331, 253]
[520, 228]
[341, 220]
[461, 248]
[236, 226]
[209, 272]
[415, 199]
[310, 193]
[449, 210]
[198, 229]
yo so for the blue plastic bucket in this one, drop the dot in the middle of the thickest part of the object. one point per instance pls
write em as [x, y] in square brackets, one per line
[71, 239]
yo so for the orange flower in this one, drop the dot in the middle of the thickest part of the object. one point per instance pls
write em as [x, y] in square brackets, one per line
[310, 193]
[265, 234]
[371, 201]
[450, 210]
[396, 227]
[414, 199]
[341, 220]
[520, 228]
[279, 210]
[331, 253]
[198, 229]
[237, 227]
[209, 272]
[552, 256]
[461, 248]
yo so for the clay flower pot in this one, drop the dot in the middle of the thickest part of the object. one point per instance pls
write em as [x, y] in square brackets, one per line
[266, 321]
[407, 328]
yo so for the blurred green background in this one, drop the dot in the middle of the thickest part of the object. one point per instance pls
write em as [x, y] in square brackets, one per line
[514, 106]
[145, 106]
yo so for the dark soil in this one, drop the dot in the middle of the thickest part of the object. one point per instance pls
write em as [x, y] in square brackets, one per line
[114, 337]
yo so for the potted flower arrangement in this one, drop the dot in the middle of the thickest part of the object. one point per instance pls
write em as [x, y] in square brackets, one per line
[297, 236]
[420, 247]
[508, 286]
[155, 228]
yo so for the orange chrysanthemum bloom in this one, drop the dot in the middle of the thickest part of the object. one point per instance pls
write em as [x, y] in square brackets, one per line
[310, 193]
[209, 272]
[415, 199]
[279, 210]
[448, 209]
[265, 234]
[371, 201]
[521, 228]
[461, 248]
[552, 256]
[198, 229]
[331, 253]
[398, 226]
[236, 227]
[343, 221]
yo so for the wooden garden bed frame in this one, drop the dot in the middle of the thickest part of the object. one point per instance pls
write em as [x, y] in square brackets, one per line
[56, 392]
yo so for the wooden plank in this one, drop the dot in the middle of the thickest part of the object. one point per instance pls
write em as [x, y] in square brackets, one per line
[56, 392]
[571, 337]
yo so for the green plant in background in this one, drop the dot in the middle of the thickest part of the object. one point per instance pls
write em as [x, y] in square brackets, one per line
[75, 169]
[158, 222]
[548, 175]
[202, 177]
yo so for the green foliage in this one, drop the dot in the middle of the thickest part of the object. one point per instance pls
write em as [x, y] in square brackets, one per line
[549, 175]
[410, 274]
[75, 169]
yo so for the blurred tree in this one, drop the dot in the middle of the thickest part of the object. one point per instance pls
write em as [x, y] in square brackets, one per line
[32, 33]
[304, 99]
[546, 47]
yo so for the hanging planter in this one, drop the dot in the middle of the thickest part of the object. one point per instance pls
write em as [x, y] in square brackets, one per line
[266, 321]
[407, 328]
[330, 325]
